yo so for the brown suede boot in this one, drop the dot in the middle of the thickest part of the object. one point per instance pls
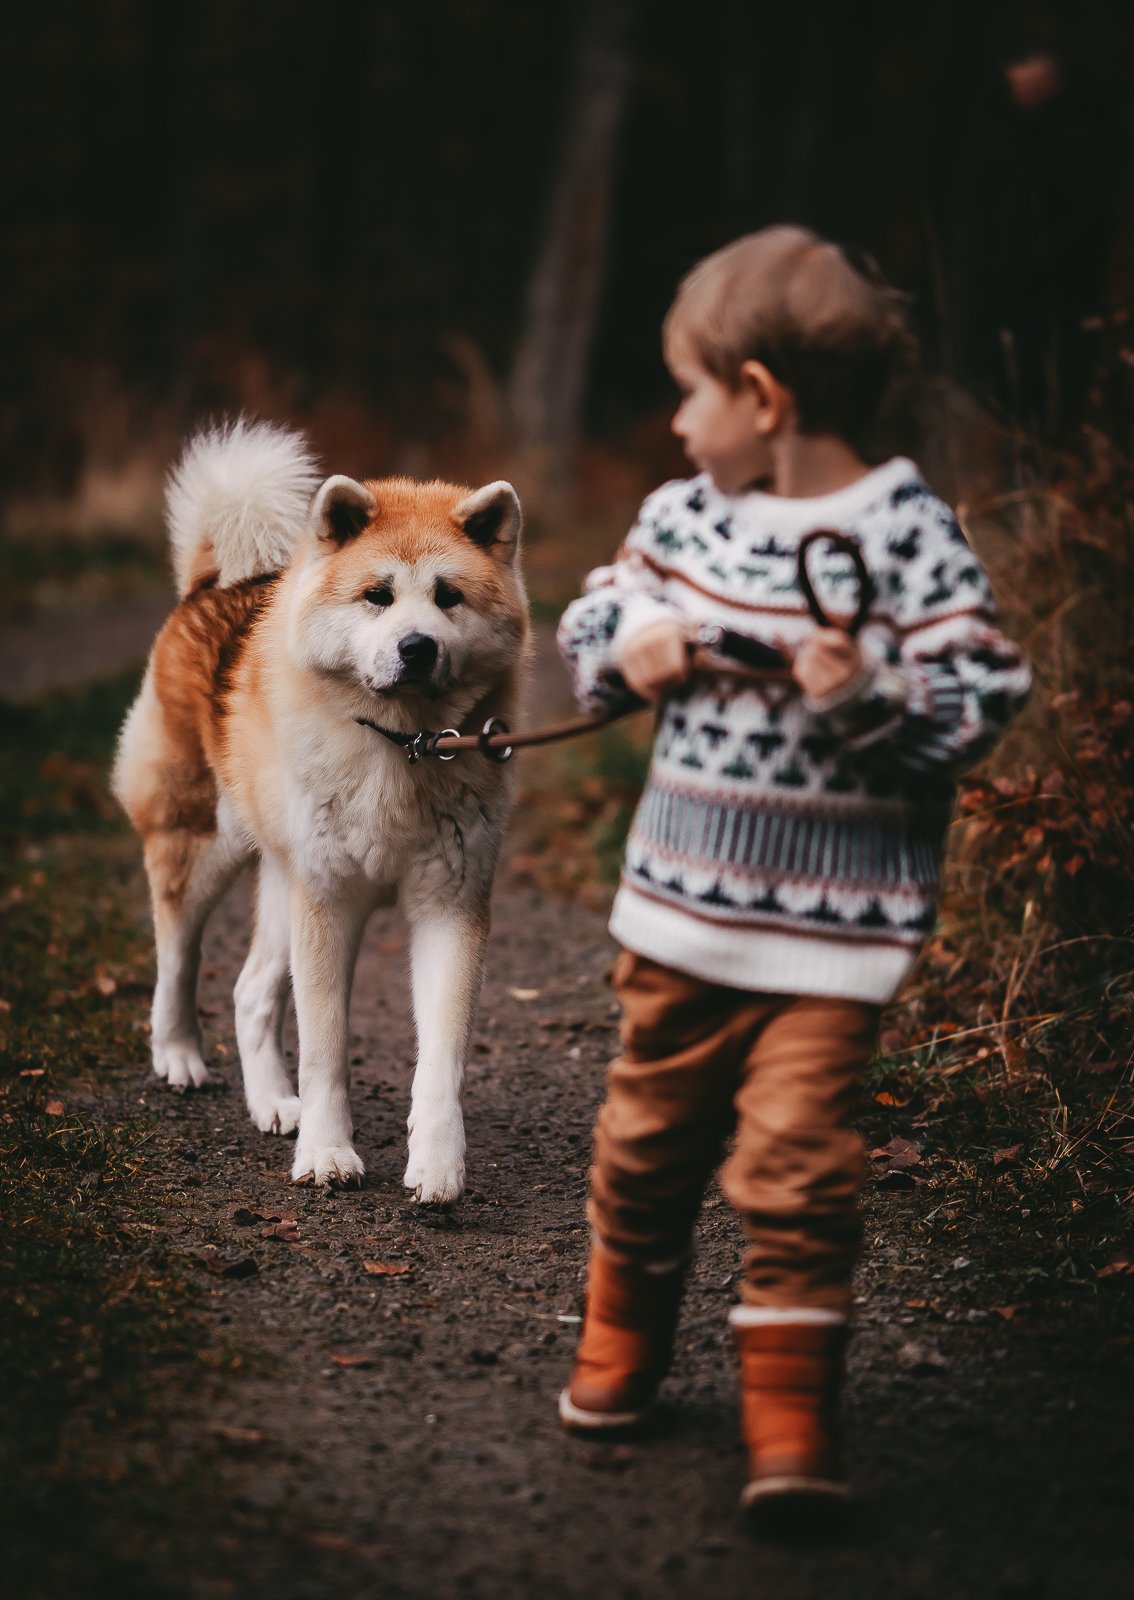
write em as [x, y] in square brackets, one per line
[790, 1377]
[626, 1344]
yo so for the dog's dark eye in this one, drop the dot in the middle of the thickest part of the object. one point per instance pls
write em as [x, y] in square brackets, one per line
[446, 596]
[382, 596]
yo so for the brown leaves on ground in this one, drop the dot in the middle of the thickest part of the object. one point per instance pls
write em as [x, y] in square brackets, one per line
[227, 1266]
[899, 1155]
[247, 1217]
[285, 1228]
[387, 1269]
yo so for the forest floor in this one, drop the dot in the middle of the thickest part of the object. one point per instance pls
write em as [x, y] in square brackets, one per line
[217, 1383]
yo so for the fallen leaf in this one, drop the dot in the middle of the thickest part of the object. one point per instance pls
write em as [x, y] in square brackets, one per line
[239, 1438]
[286, 1228]
[1009, 1153]
[229, 1266]
[888, 1099]
[246, 1217]
[33, 1072]
[343, 1358]
[919, 1358]
[1015, 1058]
[525, 994]
[1121, 1266]
[1007, 1312]
[899, 1153]
[54, 1108]
[386, 1269]
[897, 1178]
[338, 1544]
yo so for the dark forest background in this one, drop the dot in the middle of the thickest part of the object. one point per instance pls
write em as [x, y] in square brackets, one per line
[401, 224]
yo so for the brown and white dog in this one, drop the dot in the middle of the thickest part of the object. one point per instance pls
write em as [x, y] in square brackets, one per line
[397, 601]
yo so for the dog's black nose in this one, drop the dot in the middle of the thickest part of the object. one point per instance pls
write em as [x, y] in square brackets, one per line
[419, 652]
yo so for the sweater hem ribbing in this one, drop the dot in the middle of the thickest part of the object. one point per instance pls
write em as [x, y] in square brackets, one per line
[755, 960]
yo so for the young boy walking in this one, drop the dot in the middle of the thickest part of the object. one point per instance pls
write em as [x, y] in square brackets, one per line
[781, 871]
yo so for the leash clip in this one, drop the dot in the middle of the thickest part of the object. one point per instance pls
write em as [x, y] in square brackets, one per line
[420, 746]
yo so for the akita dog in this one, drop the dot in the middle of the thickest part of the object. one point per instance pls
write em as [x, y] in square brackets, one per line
[300, 612]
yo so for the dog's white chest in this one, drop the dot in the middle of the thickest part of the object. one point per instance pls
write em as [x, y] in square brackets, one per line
[387, 823]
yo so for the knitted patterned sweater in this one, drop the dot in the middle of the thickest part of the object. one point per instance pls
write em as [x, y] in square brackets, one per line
[785, 845]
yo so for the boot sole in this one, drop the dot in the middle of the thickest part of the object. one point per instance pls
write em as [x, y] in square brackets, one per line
[576, 1420]
[790, 1486]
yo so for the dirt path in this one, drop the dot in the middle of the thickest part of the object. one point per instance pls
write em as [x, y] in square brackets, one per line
[991, 1452]
[990, 1456]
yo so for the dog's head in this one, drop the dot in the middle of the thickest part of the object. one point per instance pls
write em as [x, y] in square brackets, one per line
[410, 591]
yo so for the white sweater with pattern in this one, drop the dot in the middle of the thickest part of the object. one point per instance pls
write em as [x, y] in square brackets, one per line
[781, 845]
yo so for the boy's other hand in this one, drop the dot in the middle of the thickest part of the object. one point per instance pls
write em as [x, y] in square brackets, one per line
[656, 659]
[825, 662]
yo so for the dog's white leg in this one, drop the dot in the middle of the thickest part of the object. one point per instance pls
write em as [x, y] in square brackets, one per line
[448, 944]
[325, 937]
[261, 1005]
[188, 873]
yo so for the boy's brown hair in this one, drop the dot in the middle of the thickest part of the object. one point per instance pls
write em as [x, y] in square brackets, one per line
[835, 336]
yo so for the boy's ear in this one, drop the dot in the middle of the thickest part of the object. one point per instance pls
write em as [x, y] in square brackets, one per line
[340, 511]
[772, 400]
[492, 519]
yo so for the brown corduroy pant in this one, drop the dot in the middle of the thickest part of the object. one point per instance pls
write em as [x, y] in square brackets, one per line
[700, 1060]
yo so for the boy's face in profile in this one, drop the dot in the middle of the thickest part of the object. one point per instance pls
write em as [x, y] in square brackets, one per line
[716, 424]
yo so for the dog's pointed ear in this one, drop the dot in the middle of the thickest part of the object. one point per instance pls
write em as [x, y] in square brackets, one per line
[340, 510]
[492, 519]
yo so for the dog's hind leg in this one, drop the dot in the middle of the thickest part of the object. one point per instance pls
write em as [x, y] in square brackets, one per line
[261, 1005]
[325, 939]
[188, 873]
[448, 945]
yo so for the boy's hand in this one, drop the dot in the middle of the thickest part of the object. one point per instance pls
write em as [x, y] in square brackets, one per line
[826, 661]
[656, 659]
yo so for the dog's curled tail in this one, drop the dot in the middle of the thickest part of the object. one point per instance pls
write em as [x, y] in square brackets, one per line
[237, 502]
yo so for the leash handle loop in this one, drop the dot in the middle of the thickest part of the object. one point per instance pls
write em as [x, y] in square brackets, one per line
[865, 584]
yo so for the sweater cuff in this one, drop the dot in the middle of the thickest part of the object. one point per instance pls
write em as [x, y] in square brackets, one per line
[638, 612]
[874, 681]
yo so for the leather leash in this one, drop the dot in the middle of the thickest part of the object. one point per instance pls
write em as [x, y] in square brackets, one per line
[715, 649]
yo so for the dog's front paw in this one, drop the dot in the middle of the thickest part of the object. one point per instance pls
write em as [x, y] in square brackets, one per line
[436, 1169]
[275, 1113]
[327, 1164]
[180, 1065]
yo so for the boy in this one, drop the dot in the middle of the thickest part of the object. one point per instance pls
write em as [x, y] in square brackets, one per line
[781, 871]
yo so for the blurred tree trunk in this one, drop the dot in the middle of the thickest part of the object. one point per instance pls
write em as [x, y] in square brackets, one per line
[548, 382]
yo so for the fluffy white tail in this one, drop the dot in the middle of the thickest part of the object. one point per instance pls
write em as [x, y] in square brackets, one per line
[237, 502]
